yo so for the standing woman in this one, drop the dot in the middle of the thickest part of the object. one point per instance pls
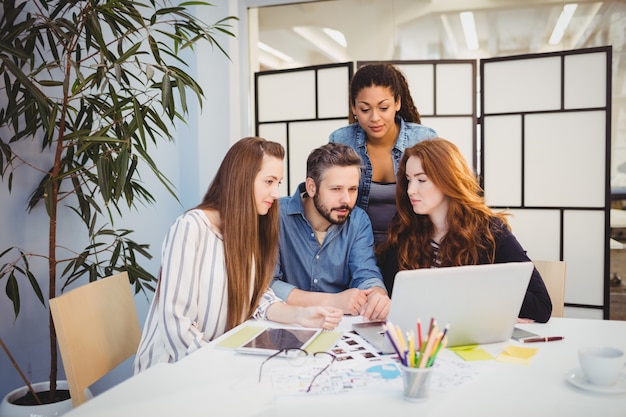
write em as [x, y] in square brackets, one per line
[443, 221]
[384, 122]
[218, 260]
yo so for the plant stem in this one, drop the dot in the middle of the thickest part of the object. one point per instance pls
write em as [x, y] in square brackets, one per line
[19, 371]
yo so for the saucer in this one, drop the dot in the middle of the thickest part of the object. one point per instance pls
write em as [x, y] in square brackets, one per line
[576, 377]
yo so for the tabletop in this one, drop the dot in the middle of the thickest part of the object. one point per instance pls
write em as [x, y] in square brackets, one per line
[220, 381]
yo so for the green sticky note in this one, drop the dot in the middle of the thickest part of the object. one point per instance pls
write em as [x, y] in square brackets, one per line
[464, 347]
[474, 355]
[240, 337]
[324, 341]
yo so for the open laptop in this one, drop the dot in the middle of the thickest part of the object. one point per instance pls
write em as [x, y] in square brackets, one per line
[479, 302]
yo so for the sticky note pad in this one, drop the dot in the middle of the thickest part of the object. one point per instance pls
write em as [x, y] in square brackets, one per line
[324, 341]
[240, 337]
[464, 347]
[517, 354]
[470, 355]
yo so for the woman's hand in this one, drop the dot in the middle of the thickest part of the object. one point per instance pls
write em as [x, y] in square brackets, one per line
[326, 318]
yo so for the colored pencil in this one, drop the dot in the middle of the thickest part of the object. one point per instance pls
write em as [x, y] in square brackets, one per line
[419, 334]
[429, 346]
[391, 337]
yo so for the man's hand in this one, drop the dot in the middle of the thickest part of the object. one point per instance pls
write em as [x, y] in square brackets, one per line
[350, 301]
[377, 305]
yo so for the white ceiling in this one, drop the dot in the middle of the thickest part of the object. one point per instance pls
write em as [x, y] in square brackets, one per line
[422, 29]
[425, 30]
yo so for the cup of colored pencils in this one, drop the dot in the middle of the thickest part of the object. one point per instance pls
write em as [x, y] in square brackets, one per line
[417, 356]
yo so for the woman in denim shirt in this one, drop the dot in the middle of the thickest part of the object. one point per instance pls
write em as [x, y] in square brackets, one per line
[383, 123]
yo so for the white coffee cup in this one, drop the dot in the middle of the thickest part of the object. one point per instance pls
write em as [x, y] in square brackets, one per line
[601, 365]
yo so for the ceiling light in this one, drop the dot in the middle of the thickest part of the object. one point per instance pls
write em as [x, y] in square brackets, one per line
[448, 30]
[561, 24]
[320, 39]
[274, 52]
[336, 36]
[469, 30]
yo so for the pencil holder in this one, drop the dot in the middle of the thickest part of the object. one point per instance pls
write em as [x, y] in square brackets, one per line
[416, 383]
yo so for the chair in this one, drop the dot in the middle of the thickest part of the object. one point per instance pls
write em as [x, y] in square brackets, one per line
[553, 274]
[97, 329]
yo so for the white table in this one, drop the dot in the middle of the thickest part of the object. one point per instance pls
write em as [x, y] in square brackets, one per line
[220, 382]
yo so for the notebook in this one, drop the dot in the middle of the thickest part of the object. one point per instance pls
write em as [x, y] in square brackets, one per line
[479, 302]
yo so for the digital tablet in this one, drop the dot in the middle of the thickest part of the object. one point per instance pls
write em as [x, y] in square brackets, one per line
[271, 340]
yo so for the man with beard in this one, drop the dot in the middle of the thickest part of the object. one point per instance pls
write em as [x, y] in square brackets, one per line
[326, 244]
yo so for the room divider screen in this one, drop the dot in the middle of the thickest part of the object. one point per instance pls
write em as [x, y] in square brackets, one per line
[543, 153]
[546, 135]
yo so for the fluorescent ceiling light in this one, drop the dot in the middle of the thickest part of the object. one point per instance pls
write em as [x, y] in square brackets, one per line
[320, 39]
[469, 30]
[270, 61]
[336, 36]
[446, 27]
[561, 24]
[274, 52]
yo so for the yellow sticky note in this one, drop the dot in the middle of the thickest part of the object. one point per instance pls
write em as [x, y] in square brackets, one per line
[470, 355]
[517, 355]
[520, 352]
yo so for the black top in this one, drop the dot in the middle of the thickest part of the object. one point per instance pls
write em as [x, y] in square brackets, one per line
[536, 305]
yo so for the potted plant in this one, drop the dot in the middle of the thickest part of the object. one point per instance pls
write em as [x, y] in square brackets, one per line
[93, 83]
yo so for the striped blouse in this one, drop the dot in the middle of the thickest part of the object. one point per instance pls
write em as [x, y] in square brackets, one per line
[189, 307]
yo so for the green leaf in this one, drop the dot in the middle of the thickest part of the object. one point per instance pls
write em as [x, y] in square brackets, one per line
[35, 285]
[166, 95]
[13, 292]
[154, 47]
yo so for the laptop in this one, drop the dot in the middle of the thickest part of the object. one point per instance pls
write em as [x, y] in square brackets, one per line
[479, 302]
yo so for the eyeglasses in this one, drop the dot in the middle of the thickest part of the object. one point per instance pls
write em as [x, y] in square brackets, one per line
[298, 357]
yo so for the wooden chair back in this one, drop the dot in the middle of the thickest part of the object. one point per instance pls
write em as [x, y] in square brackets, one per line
[97, 329]
[553, 274]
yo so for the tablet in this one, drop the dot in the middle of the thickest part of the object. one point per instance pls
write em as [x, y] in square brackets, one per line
[271, 340]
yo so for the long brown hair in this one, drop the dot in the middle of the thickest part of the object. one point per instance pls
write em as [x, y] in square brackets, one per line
[469, 236]
[384, 75]
[250, 240]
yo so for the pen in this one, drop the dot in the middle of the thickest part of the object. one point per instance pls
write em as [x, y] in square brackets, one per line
[543, 339]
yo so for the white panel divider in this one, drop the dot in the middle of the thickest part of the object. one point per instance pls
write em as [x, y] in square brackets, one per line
[538, 159]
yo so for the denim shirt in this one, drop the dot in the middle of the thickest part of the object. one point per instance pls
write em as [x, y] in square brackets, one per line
[344, 260]
[353, 135]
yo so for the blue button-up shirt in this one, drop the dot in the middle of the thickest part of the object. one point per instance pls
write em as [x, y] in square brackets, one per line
[353, 135]
[344, 260]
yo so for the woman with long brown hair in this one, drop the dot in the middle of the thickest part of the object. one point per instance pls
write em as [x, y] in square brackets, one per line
[442, 220]
[218, 260]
